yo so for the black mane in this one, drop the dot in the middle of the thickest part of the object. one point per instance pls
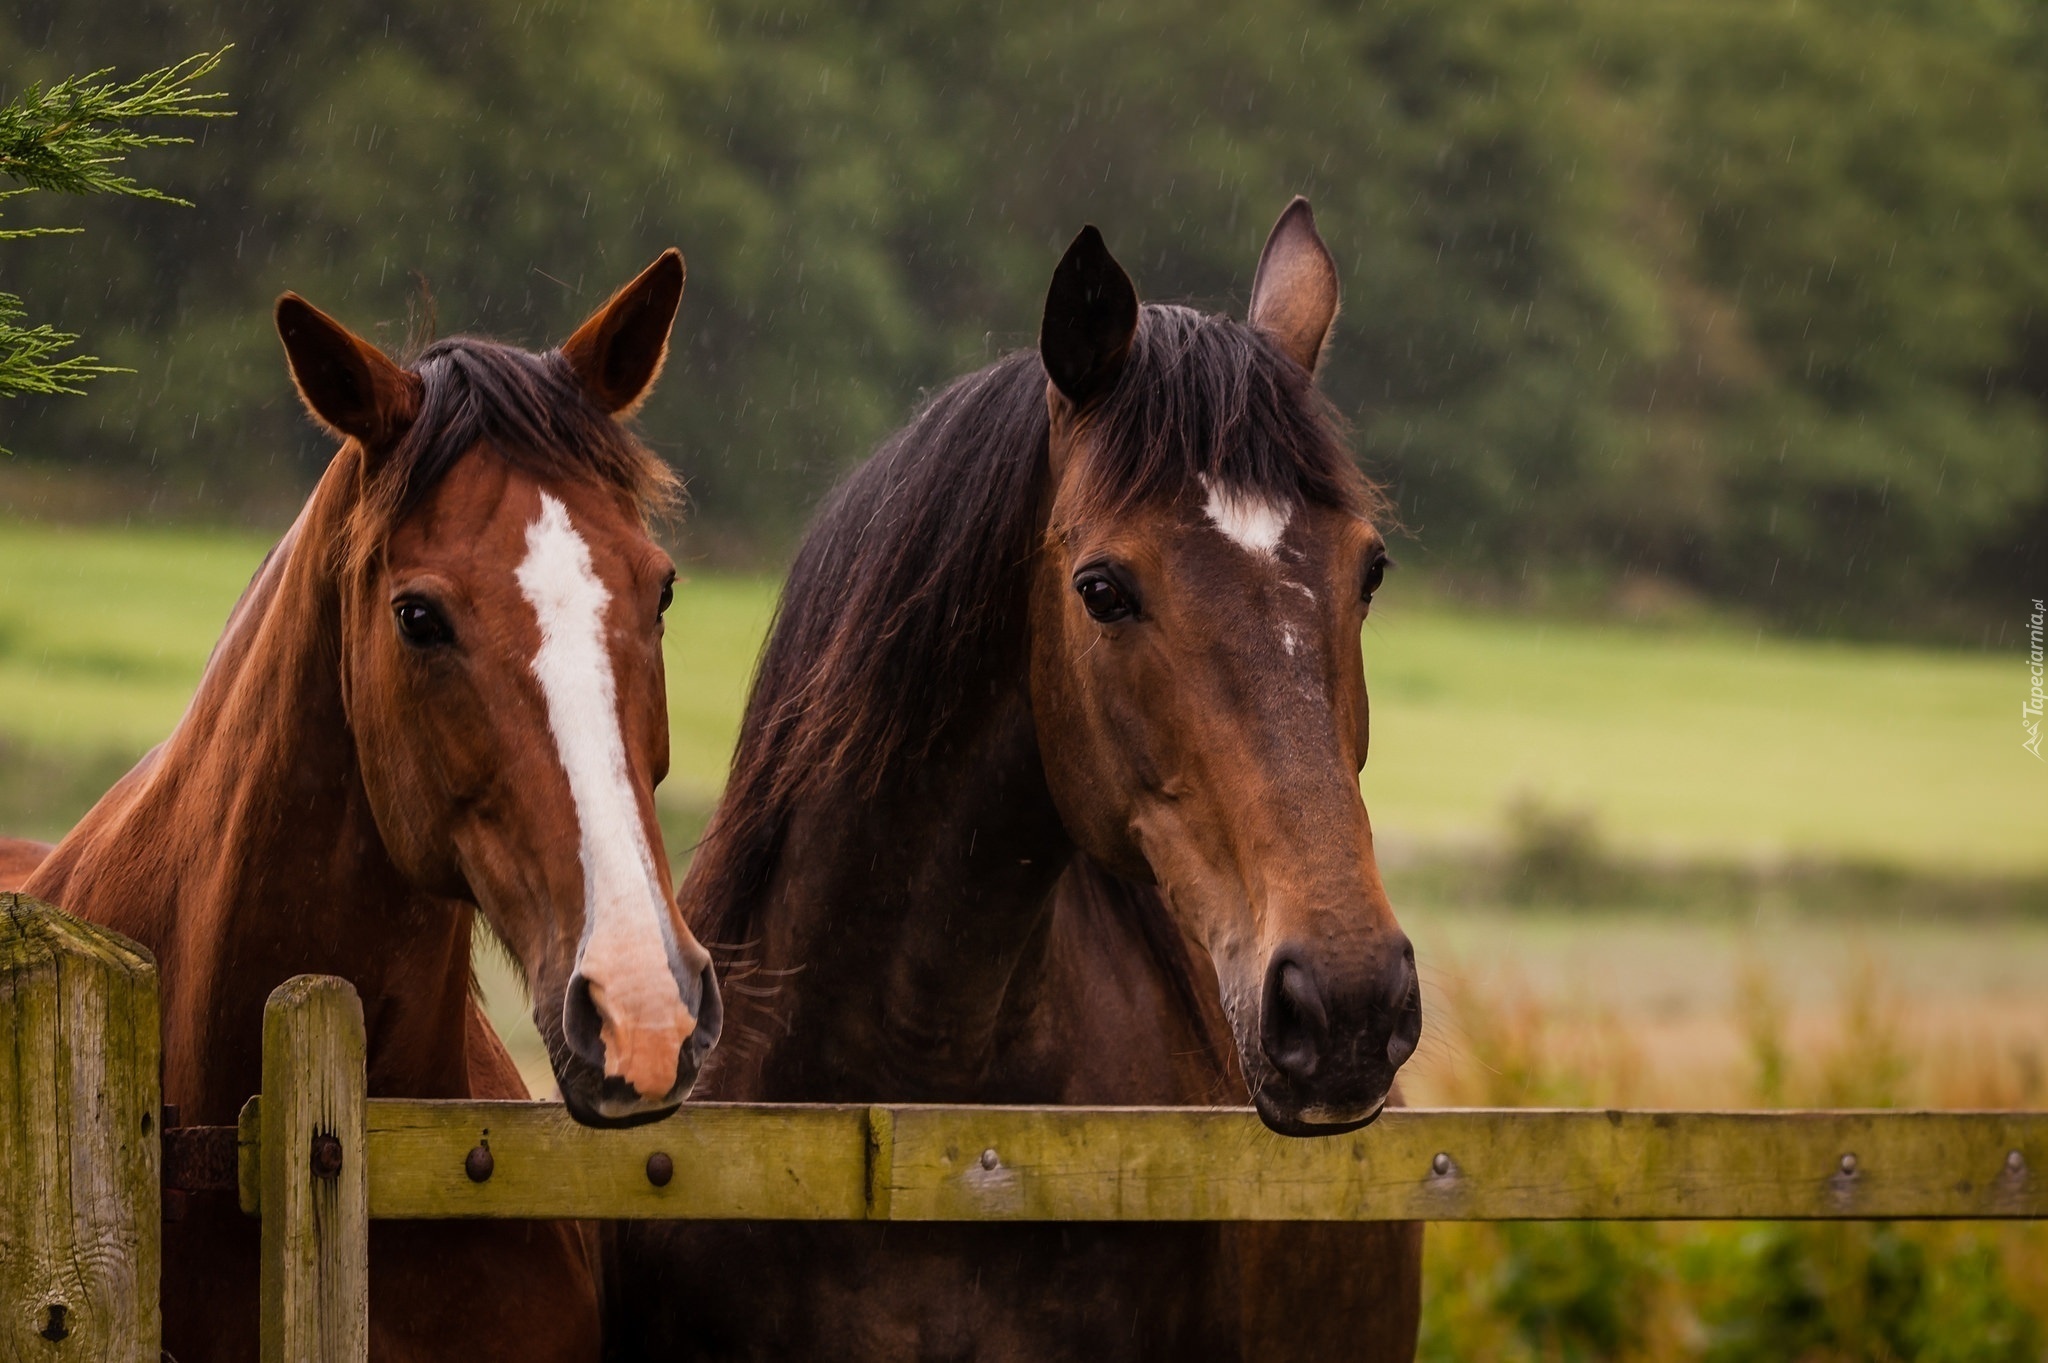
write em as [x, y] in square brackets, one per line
[907, 598]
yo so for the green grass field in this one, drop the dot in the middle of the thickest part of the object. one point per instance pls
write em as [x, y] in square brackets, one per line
[1689, 742]
[1705, 741]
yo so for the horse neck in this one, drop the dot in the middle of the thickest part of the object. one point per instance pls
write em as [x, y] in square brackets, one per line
[900, 938]
[244, 851]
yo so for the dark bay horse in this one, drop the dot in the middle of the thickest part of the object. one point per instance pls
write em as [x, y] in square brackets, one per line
[441, 694]
[1047, 792]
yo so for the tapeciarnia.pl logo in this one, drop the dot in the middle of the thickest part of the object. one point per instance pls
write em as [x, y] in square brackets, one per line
[2030, 712]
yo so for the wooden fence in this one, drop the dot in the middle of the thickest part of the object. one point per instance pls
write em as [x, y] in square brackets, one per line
[82, 1160]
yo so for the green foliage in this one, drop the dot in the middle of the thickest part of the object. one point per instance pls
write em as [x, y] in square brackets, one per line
[1970, 1315]
[1805, 1292]
[1864, 186]
[1799, 1293]
[69, 139]
[32, 359]
[1748, 296]
[1774, 1302]
[1576, 1290]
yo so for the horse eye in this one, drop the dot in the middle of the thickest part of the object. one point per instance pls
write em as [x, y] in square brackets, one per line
[668, 597]
[1104, 600]
[421, 625]
[1375, 572]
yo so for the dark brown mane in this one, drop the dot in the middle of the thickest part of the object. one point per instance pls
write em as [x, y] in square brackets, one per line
[528, 407]
[907, 597]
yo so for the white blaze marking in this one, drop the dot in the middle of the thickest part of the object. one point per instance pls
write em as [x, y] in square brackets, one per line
[1251, 522]
[625, 949]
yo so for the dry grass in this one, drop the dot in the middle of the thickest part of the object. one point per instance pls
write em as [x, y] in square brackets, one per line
[1654, 1010]
[1909, 1019]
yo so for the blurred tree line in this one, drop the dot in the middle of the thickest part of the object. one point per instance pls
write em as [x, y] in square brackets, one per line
[1747, 294]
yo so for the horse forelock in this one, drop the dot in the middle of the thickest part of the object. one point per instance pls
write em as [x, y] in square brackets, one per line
[1205, 401]
[523, 407]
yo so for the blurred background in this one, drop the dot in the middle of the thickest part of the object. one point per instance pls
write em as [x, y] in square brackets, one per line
[1704, 347]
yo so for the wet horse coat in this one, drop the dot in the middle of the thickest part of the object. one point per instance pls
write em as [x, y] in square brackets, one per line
[1046, 793]
[441, 695]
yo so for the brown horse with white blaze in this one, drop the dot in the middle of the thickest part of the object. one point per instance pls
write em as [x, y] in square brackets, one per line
[441, 695]
[1047, 792]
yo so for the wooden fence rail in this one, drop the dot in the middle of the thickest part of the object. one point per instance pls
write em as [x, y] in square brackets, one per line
[317, 1160]
[928, 1163]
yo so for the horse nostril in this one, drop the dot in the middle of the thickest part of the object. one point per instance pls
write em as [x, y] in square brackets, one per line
[582, 1024]
[1295, 1025]
[1405, 996]
[710, 1012]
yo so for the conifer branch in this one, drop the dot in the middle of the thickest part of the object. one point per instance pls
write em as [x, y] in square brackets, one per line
[71, 138]
[31, 358]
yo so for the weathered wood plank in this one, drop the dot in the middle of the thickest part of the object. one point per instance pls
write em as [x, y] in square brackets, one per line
[1218, 1164]
[757, 1163]
[313, 1160]
[80, 1232]
[249, 1156]
[914, 1163]
[881, 1160]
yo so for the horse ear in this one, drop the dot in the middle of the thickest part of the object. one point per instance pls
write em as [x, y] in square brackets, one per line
[1294, 294]
[618, 352]
[1091, 314]
[349, 385]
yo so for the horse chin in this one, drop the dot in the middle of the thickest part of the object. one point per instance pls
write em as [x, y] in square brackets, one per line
[1314, 1120]
[611, 1103]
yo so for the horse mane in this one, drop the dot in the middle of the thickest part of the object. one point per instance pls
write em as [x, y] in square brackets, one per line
[530, 408]
[907, 598]
[909, 585]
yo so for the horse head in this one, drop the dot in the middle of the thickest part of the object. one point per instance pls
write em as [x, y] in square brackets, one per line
[501, 660]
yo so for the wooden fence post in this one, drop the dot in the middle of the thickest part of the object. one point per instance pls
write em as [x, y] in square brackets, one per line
[315, 1199]
[80, 1210]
